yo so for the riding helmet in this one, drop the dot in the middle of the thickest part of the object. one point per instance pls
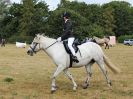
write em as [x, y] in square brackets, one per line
[66, 14]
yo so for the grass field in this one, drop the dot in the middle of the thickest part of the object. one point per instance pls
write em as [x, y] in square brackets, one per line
[26, 77]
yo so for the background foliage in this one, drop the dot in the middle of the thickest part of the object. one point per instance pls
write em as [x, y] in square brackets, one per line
[23, 21]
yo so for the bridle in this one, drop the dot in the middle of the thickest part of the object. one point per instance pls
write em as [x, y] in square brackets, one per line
[33, 49]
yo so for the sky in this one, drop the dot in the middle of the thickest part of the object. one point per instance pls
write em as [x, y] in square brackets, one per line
[53, 3]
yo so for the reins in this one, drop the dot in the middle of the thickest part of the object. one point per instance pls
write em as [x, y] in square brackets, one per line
[51, 45]
[33, 49]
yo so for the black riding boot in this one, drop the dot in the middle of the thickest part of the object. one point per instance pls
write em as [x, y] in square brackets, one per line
[75, 59]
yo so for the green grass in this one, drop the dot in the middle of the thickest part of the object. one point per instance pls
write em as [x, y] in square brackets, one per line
[8, 79]
[26, 77]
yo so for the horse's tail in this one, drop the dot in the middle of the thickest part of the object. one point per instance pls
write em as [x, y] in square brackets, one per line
[111, 65]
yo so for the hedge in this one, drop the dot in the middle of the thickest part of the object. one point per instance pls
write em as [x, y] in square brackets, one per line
[122, 38]
[27, 39]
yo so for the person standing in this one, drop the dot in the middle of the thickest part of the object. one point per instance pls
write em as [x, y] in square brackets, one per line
[3, 41]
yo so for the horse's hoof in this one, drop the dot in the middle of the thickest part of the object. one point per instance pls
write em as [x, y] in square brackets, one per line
[74, 88]
[56, 87]
[110, 84]
[53, 91]
[85, 86]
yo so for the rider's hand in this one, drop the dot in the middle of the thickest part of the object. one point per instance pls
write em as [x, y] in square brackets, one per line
[59, 39]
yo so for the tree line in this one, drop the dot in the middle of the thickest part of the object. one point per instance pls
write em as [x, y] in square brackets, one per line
[22, 21]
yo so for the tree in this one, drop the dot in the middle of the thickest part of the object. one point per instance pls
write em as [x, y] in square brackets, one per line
[3, 9]
[39, 18]
[34, 15]
[108, 20]
[130, 22]
[3, 13]
[31, 17]
[63, 3]
[27, 14]
[121, 16]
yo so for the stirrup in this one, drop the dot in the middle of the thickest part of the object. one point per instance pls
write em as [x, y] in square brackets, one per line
[75, 59]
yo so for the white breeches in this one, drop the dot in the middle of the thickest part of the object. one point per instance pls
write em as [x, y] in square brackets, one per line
[70, 42]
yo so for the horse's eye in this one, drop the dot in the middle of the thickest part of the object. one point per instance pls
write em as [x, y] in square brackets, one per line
[34, 43]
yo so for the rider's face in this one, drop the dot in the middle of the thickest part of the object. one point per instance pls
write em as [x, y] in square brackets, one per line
[65, 18]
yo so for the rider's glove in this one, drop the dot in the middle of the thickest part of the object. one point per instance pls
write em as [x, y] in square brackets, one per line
[59, 39]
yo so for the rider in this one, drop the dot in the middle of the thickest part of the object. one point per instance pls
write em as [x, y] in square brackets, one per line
[68, 34]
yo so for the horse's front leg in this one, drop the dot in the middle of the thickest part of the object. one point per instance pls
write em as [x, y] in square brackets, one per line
[66, 71]
[59, 69]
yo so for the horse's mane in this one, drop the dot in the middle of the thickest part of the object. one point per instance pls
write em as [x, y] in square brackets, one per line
[43, 35]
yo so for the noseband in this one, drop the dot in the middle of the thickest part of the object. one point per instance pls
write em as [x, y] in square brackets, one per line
[33, 49]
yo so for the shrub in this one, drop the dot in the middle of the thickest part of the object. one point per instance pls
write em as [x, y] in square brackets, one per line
[123, 37]
[8, 79]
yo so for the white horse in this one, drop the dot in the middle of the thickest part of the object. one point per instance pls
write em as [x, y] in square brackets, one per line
[91, 53]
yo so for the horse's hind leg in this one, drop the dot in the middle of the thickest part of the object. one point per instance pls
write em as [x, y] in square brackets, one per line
[89, 74]
[106, 45]
[66, 71]
[102, 67]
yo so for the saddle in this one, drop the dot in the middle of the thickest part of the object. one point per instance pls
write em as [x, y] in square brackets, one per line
[75, 46]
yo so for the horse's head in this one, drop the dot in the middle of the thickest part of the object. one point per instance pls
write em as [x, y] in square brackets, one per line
[35, 45]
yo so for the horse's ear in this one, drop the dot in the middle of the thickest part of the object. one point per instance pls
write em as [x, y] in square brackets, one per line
[39, 33]
[36, 34]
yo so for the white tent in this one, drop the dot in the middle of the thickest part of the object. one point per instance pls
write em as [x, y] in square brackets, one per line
[112, 41]
[20, 45]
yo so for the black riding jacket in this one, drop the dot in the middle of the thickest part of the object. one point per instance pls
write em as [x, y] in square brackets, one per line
[67, 30]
